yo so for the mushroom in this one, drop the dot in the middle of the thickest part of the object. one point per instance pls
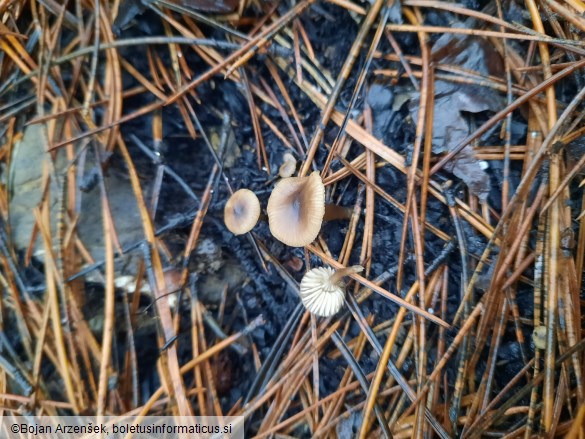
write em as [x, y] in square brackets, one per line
[296, 210]
[322, 289]
[289, 164]
[241, 212]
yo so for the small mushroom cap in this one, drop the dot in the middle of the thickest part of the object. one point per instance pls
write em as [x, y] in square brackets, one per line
[289, 164]
[319, 295]
[296, 208]
[241, 212]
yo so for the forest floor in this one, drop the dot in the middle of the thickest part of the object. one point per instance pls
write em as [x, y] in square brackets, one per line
[454, 132]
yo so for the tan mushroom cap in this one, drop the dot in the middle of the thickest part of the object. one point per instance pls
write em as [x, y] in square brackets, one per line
[241, 212]
[296, 208]
[319, 295]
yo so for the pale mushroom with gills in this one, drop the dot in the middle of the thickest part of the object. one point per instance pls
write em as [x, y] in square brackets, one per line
[323, 290]
[296, 210]
[241, 212]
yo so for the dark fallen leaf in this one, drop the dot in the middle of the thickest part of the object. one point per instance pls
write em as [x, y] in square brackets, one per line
[126, 12]
[396, 12]
[469, 52]
[468, 168]
[348, 428]
[453, 101]
[380, 98]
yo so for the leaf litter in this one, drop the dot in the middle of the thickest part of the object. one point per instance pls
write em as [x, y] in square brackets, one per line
[289, 373]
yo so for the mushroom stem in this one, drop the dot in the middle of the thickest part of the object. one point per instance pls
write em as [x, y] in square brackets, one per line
[342, 272]
[335, 212]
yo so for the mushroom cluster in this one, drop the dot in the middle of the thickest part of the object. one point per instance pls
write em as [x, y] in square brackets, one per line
[296, 210]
